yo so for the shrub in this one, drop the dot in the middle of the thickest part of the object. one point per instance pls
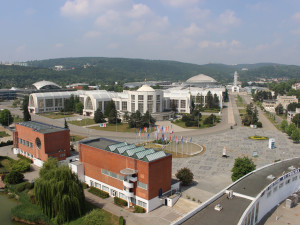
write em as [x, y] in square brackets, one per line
[20, 165]
[138, 209]
[98, 192]
[85, 185]
[25, 158]
[241, 167]
[6, 143]
[21, 187]
[14, 177]
[185, 176]
[258, 124]
[121, 220]
[120, 202]
[94, 217]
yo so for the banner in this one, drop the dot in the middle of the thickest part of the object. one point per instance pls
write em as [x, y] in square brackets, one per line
[102, 124]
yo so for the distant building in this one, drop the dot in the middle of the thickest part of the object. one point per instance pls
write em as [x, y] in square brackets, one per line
[78, 86]
[285, 100]
[291, 114]
[46, 85]
[39, 141]
[58, 67]
[138, 175]
[235, 87]
[296, 86]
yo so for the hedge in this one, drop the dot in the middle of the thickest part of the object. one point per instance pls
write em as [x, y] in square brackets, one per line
[25, 158]
[138, 209]
[98, 192]
[120, 202]
[121, 220]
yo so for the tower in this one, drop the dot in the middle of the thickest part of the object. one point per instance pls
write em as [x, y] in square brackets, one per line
[235, 87]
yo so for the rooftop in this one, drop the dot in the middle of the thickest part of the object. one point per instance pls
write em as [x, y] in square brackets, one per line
[128, 150]
[41, 127]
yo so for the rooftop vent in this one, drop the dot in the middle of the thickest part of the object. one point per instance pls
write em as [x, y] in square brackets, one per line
[270, 177]
[230, 194]
[218, 207]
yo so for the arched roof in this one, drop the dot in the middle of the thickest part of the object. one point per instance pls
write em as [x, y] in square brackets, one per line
[201, 78]
[46, 85]
[145, 87]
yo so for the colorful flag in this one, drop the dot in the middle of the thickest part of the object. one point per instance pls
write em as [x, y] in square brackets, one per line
[135, 131]
[176, 139]
[170, 138]
[181, 139]
[102, 124]
[148, 136]
[143, 134]
[191, 139]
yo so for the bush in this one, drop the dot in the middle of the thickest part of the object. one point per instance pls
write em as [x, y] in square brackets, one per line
[185, 176]
[28, 211]
[20, 165]
[120, 202]
[21, 187]
[96, 216]
[138, 209]
[85, 185]
[98, 192]
[121, 220]
[258, 124]
[14, 177]
[25, 158]
[241, 167]
[6, 143]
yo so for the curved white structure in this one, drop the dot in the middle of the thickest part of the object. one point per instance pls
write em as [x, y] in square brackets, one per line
[46, 85]
[201, 78]
[249, 199]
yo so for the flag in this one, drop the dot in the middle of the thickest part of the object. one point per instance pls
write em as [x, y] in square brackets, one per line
[171, 132]
[181, 139]
[139, 133]
[176, 139]
[186, 140]
[146, 130]
[170, 138]
[102, 124]
[143, 134]
[148, 136]
[135, 131]
[191, 140]
[150, 129]
[140, 130]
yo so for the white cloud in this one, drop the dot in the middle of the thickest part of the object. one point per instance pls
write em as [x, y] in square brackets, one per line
[139, 10]
[185, 43]
[109, 19]
[180, 3]
[198, 14]
[92, 34]
[235, 43]
[59, 45]
[193, 30]
[214, 44]
[229, 18]
[150, 36]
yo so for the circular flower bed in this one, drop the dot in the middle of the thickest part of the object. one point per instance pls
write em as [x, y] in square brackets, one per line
[257, 137]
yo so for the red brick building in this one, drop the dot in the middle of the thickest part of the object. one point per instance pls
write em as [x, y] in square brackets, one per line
[39, 141]
[138, 175]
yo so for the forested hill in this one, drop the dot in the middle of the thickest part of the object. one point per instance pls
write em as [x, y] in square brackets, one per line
[96, 70]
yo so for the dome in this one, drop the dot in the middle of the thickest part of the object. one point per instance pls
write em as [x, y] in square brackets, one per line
[46, 85]
[201, 78]
[146, 88]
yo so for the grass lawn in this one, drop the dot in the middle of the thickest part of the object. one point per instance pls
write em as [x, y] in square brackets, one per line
[76, 137]
[240, 102]
[5, 164]
[123, 127]
[4, 134]
[182, 124]
[83, 122]
[242, 111]
[57, 115]
[108, 218]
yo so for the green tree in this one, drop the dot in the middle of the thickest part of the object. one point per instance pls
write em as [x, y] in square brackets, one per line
[113, 116]
[110, 106]
[241, 167]
[279, 109]
[66, 124]
[98, 116]
[296, 135]
[26, 114]
[290, 128]
[5, 117]
[96, 216]
[14, 177]
[296, 120]
[185, 176]
[126, 116]
[293, 106]
[79, 108]
[226, 97]
[216, 101]
[20, 165]
[59, 193]
[283, 125]
[148, 120]
[209, 100]
[136, 120]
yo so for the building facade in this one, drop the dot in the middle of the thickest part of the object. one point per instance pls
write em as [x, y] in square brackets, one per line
[138, 175]
[39, 141]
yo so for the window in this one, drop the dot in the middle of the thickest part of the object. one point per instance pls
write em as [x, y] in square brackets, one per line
[62, 155]
[117, 105]
[122, 196]
[150, 107]
[150, 97]
[182, 104]
[41, 103]
[97, 185]
[38, 143]
[120, 177]
[132, 98]
[49, 103]
[30, 145]
[140, 97]
[58, 102]
[133, 200]
[281, 185]
[141, 107]
[288, 181]
[89, 104]
[124, 106]
[132, 107]
[157, 107]
[105, 172]
[114, 175]
[104, 188]
[142, 185]
[142, 204]
[100, 105]
[92, 183]
[157, 98]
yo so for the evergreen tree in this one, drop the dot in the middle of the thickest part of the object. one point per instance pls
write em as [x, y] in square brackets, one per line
[296, 120]
[136, 120]
[209, 100]
[113, 116]
[279, 109]
[126, 116]
[241, 167]
[226, 97]
[79, 108]
[216, 101]
[290, 128]
[98, 116]
[296, 135]
[66, 124]
[283, 125]
[109, 107]
[148, 120]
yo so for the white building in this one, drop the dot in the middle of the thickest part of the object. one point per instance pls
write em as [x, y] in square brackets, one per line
[156, 101]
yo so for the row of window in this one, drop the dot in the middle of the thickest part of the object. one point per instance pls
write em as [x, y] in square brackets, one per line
[141, 98]
[117, 194]
[26, 143]
[142, 185]
[281, 185]
[112, 174]
[26, 154]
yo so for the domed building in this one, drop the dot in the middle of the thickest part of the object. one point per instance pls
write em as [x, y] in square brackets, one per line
[45, 85]
[201, 80]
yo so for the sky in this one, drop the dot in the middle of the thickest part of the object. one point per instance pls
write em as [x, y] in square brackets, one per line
[195, 31]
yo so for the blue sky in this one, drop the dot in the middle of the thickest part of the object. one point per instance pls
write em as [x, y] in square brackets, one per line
[196, 31]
